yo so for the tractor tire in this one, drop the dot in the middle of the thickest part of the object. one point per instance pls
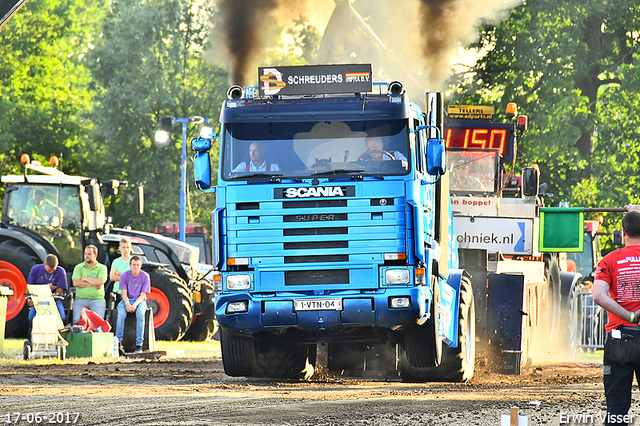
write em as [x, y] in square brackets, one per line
[236, 354]
[422, 343]
[457, 363]
[171, 303]
[202, 327]
[17, 261]
[278, 361]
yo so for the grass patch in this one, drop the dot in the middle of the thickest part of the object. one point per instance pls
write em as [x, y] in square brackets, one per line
[12, 351]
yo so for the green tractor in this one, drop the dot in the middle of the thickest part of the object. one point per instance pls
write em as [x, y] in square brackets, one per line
[46, 211]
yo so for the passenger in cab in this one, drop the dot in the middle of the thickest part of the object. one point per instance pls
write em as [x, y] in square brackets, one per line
[258, 162]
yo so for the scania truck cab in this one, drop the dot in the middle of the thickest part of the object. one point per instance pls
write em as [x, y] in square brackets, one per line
[333, 226]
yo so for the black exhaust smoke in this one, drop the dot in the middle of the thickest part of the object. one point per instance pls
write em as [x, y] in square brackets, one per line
[243, 22]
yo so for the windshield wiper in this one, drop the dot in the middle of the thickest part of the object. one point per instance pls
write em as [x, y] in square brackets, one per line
[375, 175]
[272, 177]
[336, 172]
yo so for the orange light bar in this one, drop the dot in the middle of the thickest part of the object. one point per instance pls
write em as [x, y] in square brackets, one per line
[237, 261]
[395, 256]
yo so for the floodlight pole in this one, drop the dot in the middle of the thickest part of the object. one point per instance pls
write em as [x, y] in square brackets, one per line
[183, 171]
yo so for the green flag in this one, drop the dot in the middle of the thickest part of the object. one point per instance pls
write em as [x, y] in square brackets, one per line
[561, 229]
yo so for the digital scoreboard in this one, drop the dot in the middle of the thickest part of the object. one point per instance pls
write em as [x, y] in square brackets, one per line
[481, 135]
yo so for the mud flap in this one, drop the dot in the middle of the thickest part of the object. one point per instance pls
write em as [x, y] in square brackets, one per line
[505, 298]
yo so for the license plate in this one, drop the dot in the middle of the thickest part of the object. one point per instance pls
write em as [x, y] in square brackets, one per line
[318, 305]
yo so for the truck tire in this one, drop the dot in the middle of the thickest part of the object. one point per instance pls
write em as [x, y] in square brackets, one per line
[14, 271]
[422, 343]
[171, 303]
[457, 363]
[202, 327]
[278, 361]
[236, 354]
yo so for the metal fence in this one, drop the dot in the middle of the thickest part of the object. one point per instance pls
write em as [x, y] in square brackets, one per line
[587, 323]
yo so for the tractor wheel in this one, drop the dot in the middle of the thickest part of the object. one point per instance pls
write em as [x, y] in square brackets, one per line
[236, 354]
[17, 261]
[457, 363]
[202, 327]
[171, 303]
[278, 361]
[422, 343]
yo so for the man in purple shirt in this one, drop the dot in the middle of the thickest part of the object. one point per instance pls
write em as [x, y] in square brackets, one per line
[134, 285]
[55, 276]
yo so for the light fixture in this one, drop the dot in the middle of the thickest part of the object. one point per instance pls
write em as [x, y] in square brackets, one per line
[163, 131]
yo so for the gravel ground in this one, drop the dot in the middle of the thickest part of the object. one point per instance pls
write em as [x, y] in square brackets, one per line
[181, 390]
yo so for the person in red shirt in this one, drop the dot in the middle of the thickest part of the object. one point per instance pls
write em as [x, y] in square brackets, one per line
[616, 289]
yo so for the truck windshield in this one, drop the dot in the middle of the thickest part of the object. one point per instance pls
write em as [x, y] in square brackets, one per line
[305, 149]
[473, 172]
[52, 211]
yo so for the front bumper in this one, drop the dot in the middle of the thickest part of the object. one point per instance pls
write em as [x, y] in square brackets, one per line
[272, 313]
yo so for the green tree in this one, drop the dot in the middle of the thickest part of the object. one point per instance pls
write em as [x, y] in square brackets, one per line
[572, 68]
[148, 64]
[44, 93]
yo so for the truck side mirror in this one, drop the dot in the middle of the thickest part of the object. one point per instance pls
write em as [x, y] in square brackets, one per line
[617, 238]
[436, 157]
[530, 181]
[201, 162]
[202, 170]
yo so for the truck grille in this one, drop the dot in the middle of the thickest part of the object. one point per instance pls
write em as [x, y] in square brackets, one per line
[317, 259]
[317, 241]
[319, 277]
[315, 231]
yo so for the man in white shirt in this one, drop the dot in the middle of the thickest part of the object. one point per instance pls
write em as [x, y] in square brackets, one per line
[258, 161]
[376, 152]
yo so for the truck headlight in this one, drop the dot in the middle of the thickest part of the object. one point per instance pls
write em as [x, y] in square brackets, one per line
[400, 302]
[397, 276]
[238, 282]
[237, 307]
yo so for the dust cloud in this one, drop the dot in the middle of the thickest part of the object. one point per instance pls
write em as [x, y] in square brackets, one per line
[413, 41]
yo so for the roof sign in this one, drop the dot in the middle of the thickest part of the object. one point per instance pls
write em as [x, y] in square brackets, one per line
[470, 112]
[315, 79]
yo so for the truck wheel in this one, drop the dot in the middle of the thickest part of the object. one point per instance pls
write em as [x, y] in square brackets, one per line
[14, 271]
[422, 343]
[277, 361]
[236, 354]
[202, 327]
[457, 363]
[171, 304]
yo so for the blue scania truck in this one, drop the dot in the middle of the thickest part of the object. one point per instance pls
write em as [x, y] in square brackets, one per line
[333, 226]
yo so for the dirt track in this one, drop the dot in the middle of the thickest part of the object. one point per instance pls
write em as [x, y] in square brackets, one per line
[183, 391]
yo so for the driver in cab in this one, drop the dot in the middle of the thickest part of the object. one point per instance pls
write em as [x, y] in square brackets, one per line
[376, 152]
[258, 162]
[36, 204]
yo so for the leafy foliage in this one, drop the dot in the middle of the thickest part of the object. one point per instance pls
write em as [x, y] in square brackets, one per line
[44, 93]
[149, 64]
[572, 67]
